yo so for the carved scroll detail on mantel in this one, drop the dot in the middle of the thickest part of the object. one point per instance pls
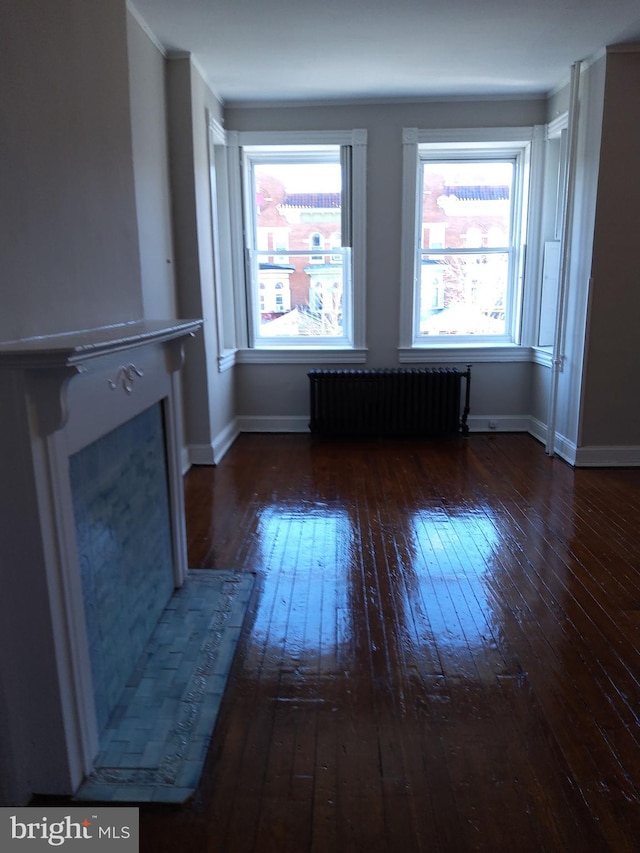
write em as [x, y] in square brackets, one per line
[126, 378]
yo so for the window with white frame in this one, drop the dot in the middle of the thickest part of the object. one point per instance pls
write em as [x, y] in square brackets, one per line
[221, 244]
[464, 225]
[304, 194]
[556, 158]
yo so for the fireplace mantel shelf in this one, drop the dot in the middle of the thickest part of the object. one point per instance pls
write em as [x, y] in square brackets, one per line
[73, 348]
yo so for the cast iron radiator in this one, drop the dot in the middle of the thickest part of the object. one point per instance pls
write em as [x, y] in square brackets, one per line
[389, 403]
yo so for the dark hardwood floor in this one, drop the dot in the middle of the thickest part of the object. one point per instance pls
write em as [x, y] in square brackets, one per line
[442, 653]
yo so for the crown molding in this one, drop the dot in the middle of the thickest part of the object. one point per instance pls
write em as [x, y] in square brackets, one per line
[175, 55]
[135, 14]
[382, 101]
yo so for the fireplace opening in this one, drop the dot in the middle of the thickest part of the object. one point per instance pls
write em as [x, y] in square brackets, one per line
[120, 494]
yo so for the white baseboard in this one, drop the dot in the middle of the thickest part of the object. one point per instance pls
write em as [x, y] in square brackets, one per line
[498, 423]
[201, 454]
[211, 454]
[538, 430]
[523, 423]
[274, 423]
[300, 423]
[592, 456]
[618, 456]
[223, 441]
[564, 448]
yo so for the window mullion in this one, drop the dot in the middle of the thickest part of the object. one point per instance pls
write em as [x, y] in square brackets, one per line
[463, 250]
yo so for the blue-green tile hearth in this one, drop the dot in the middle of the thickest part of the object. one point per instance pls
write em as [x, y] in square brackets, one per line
[154, 745]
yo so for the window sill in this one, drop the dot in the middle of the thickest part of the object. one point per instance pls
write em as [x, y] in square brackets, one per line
[226, 360]
[542, 355]
[301, 355]
[464, 353]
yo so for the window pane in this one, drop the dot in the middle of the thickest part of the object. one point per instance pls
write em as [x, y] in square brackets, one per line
[321, 315]
[467, 206]
[298, 208]
[463, 294]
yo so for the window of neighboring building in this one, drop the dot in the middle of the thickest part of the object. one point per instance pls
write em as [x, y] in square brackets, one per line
[335, 242]
[315, 244]
[280, 244]
[303, 194]
[465, 217]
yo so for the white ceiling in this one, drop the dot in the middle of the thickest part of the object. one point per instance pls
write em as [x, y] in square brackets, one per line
[325, 50]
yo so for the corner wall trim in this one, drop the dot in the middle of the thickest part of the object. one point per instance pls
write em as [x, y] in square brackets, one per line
[224, 439]
[211, 454]
[564, 448]
[201, 454]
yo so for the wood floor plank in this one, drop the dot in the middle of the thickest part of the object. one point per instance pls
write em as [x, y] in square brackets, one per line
[442, 654]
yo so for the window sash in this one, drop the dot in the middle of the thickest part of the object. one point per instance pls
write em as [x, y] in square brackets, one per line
[304, 155]
[352, 349]
[263, 339]
[468, 152]
[491, 313]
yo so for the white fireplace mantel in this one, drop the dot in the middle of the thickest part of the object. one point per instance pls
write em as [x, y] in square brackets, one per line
[58, 394]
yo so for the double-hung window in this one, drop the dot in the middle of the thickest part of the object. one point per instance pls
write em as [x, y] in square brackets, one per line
[303, 240]
[464, 226]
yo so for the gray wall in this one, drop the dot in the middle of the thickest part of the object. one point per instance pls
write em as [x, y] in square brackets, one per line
[208, 394]
[539, 394]
[498, 389]
[151, 173]
[558, 100]
[69, 256]
[611, 409]
[577, 304]
[86, 235]
[68, 230]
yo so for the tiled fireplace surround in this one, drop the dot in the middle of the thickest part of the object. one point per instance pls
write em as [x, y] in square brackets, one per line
[101, 403]
[123, 530]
